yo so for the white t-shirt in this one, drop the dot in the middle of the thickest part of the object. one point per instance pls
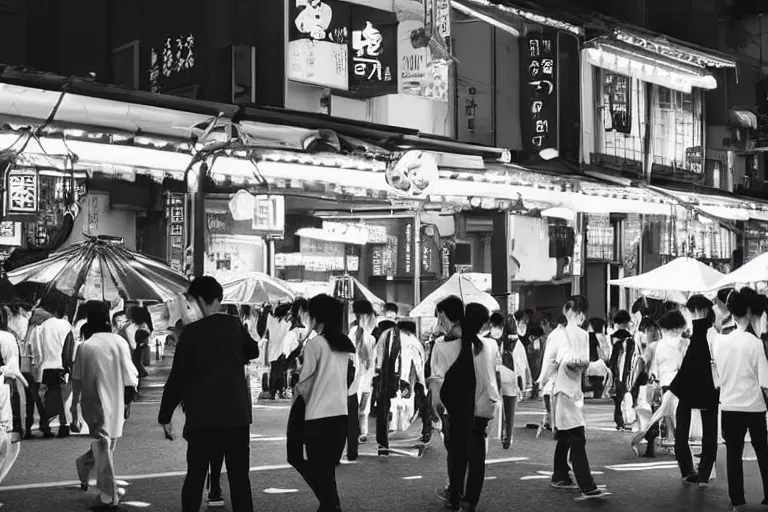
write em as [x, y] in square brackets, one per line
[667, 360]
[323, 380]
[49, 343]
[743, 371]
[444, 354]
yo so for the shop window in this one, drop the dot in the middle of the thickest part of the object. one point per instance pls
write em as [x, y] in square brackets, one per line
[622, 112]
[701, 240]
[601, 238]
[677, 130]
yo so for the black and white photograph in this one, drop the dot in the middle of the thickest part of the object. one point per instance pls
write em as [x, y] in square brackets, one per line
[384, 256]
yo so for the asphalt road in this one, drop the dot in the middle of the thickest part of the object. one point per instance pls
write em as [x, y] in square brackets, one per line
[152, 469]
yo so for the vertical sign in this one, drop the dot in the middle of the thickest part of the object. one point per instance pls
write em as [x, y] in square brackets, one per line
[443, 18]
[538, 92]
[176, 229]
[22, 192]
[372, 52]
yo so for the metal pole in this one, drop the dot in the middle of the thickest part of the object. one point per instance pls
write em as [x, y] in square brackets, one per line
[417, 258]
[198, 238]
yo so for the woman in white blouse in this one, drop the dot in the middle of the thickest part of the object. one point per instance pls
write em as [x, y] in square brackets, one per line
[323, 387]
[742, 374]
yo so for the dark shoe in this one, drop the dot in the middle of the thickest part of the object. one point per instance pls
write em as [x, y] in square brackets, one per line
[467, 507]
[426, 438]
[84, 486]
[589, 495]
[28, 435]
[505, 445]
[215, 499]
[383, 452]
[564, 485]
[48, 434]
[362, 439]
[693, 478]
[63, 432]
[351, 458]
[74, 429]
[650, 451]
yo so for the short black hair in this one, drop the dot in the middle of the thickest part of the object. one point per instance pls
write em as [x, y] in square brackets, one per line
[362, 307]
[407, 325]
[299, 305]
[535, 332]
[577, 304]
[497, 319]
[141, 336]
[386, 325]
[672, 320]
[520, 314]
[640, 306]
[391, 307]
[738, 304]
[622, 317]
[698, 302]
[475, 317]
[452, 307]
[117, 314]
[597, 324]
[722, 295]
[206, 288]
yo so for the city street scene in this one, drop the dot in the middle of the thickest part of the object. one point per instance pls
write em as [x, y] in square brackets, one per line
[375, 255]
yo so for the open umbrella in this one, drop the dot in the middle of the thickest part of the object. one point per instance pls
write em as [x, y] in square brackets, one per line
[687, 275]
[460, 286]
[754, 271]
[101, 269]
[257, 288]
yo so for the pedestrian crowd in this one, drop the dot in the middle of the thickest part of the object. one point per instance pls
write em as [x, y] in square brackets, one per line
[673, 372]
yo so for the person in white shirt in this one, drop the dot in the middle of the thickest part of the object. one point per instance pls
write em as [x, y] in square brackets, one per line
[360, 391]
[445, 352]
[514, 375]
[470, 394]
[567, 358]
[323, 387]
[103, 369]
[742, 374]
[47, 347]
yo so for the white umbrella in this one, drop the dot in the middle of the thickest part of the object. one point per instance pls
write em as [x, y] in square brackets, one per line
[257, 288]
[754, 271]
[686, 275]
[457, 285]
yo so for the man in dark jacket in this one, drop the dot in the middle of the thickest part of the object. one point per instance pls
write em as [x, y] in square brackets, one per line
[208, 378]
[621, 363]
[695, 389]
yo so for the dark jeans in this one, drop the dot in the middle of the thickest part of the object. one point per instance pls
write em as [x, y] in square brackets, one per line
[382, 420]
[575, 442]
[508, 419]
[202, 447]
[467, 460]
[708, 441]
[217, 461]
[735, 427]
[52, 384]
[618, 417]
[33, 399]
[324, 440]
[654, 430]
[425, 409]
[597, 385]
[353, 426]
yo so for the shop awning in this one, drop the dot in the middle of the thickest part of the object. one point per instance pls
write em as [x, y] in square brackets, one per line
[322, 235]
[742, 118]
[650, 67]
[510, 18]
[727, 208]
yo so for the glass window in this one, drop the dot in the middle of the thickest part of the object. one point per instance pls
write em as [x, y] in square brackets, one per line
[600, 238]
[622, 111]
[677, 129]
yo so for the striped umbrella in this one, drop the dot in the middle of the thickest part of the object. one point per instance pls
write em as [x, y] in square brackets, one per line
[257, 288]
[99, 269]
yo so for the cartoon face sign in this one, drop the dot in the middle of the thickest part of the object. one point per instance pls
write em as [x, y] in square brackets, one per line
[413, 174]
[314, 19]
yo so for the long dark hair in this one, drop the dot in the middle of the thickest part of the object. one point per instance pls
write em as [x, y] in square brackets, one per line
[475, 317]
[328, 311]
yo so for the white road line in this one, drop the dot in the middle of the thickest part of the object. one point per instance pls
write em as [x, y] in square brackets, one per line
[273, 490]
[488, 462]
[418, 477]
[129, 478]
[535, 477]
[490, 478]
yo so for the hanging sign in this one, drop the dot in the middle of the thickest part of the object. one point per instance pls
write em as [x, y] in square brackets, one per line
[372, 52]
[22, 192]
[538, 94]
[269, 215]
[420, 74]
[413, 174]
[175, 213]
[318, 43]
[171, 65]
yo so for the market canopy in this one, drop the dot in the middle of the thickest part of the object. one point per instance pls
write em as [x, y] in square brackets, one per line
[460, 286]
[754, 271]
[99, 269]
[687, 275]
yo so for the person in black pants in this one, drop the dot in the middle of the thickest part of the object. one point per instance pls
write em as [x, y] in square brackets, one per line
[388, 381]
[741, 369]
[621, 364]
[324, 417]
[208, 376]
[695, 389]
[469, 394]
